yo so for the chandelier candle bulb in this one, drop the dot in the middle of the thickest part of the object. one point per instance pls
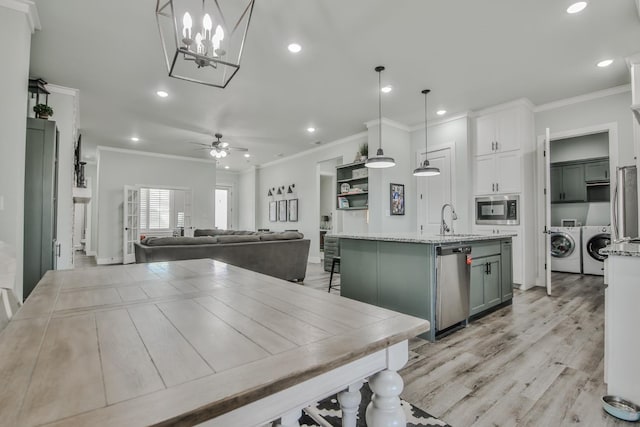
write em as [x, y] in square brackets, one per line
[186, 31]
[207, 25]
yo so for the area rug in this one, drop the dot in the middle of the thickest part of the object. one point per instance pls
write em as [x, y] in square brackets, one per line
[327, 413]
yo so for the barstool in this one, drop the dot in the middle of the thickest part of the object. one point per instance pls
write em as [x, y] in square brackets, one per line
[336, 260]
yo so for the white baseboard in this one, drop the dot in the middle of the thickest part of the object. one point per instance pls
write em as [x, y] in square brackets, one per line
[109, 261]
[314, 259]
[91, 253]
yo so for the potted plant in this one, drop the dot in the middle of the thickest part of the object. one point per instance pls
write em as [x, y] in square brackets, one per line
[364, 151]
[43, 111]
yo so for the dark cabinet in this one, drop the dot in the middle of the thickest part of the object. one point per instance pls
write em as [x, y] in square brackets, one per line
[597, 171]
[486, 290]
[40, 201]
[567, 183]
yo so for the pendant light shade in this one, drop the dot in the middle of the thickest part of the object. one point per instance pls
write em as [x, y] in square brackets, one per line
[380, 160]
[424, 169]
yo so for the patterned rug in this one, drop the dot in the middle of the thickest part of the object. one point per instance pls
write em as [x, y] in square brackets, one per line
[327, 413]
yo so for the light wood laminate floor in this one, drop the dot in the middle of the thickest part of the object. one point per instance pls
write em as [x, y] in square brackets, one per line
[539, 362]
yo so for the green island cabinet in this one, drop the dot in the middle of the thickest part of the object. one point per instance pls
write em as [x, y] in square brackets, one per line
[401, 276]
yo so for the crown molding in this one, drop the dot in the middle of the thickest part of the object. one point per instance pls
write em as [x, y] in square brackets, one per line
[583, 98]
[521, 102]
[150, 154]
[28, 8]
[632, 59]
[441, 121]
[352, 138]
[388, 122]
[62, 90]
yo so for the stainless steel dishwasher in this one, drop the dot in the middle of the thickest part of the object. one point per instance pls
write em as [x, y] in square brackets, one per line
[453, 273]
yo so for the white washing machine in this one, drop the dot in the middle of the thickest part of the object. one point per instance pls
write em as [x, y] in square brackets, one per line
[594, 238]
[566, 249]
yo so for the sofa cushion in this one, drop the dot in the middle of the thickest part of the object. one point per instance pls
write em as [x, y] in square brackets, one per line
[172, 241]
[286, 235]
[215, 232]
[238, 238]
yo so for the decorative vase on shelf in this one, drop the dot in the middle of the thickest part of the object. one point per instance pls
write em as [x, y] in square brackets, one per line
[363, 158]
[358, 157]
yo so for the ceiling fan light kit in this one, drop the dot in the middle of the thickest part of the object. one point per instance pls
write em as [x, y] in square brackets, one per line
[380, 160]
[424, 169]
[203, 40]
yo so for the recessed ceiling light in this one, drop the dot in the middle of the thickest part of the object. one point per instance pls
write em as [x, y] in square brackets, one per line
[294, 48]
[605, 63]
[226, 167]
[441, 112]
[577, 7]
[386, 89]
[247, 155]
[135, 139]
[311, 129]
[162, 94]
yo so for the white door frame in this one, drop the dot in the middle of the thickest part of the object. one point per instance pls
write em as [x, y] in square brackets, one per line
[612, 129]
[130, 257]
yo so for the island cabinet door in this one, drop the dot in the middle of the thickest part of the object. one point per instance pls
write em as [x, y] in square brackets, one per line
[492, 289]
[507, 272]
[476, 296]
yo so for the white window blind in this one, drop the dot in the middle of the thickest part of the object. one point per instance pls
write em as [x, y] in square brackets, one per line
[155, 209]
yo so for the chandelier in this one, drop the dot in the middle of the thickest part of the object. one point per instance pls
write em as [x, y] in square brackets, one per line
[203, 39]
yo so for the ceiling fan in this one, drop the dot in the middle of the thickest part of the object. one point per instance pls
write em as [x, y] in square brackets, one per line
[218, 148]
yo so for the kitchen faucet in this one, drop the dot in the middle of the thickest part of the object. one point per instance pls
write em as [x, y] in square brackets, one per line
[443, 225]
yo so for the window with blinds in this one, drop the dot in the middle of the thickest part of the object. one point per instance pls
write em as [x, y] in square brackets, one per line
[155, 209]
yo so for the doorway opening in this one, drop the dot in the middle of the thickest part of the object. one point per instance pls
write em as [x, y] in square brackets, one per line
[578, 175]
[223, 208]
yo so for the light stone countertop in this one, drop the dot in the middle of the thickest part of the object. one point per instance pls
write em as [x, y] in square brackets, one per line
[423, 238]
[622, 249]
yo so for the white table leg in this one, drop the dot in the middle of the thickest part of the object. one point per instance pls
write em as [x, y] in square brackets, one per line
[290, 419]
[349, 403]
[384, 410]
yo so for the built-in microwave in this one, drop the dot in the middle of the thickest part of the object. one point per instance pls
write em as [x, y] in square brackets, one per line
[498, 210]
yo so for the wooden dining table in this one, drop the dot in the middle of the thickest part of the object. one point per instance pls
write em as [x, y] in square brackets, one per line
[190, 342]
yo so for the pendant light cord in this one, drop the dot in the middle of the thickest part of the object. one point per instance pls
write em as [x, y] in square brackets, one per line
[380, 109]
[425, 125]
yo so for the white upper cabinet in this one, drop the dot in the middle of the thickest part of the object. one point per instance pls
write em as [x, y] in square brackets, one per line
[498, 173]
[497, 132]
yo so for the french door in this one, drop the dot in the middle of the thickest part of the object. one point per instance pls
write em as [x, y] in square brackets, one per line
[131, 232]
[547, 210]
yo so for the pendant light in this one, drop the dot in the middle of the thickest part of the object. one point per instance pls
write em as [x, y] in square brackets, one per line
[380, 160]
[425, 169]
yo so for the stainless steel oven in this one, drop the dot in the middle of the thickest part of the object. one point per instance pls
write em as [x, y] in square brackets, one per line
[498, 210]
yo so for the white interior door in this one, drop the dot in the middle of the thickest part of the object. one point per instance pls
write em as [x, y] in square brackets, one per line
[547, 210]
[131, 232]
[434, 191]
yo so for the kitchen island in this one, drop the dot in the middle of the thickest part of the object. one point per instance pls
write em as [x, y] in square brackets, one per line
[399, 271]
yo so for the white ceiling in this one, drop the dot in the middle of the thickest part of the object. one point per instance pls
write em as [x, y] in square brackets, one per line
[471, 53]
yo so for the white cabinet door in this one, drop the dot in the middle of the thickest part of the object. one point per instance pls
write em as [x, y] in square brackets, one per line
[508, 172]
[507, 135]
[485, 135]
[485, 174]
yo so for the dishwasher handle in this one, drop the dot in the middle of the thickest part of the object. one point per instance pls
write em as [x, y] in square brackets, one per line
[452, 250]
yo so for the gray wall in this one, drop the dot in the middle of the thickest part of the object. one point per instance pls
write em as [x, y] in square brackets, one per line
[15, 44]
[610, 109]
[580, 147]
[123, 167]
[247, 199]
[91, 171]
[456, 131]
[231, 179]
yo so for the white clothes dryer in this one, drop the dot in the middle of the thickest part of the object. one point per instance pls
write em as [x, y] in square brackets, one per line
[594, 238]
[566, 249]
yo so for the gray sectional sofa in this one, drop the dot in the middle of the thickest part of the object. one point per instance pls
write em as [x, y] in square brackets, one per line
[278, 254]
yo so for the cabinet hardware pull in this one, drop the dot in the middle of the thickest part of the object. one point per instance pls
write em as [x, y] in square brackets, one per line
[497, 186]
[496, 145]
[493, 187]
[493, 145]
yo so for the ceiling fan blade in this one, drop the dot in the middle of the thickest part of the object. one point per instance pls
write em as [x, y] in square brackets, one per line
[199, 143]
[202, 149]
[237, 149]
